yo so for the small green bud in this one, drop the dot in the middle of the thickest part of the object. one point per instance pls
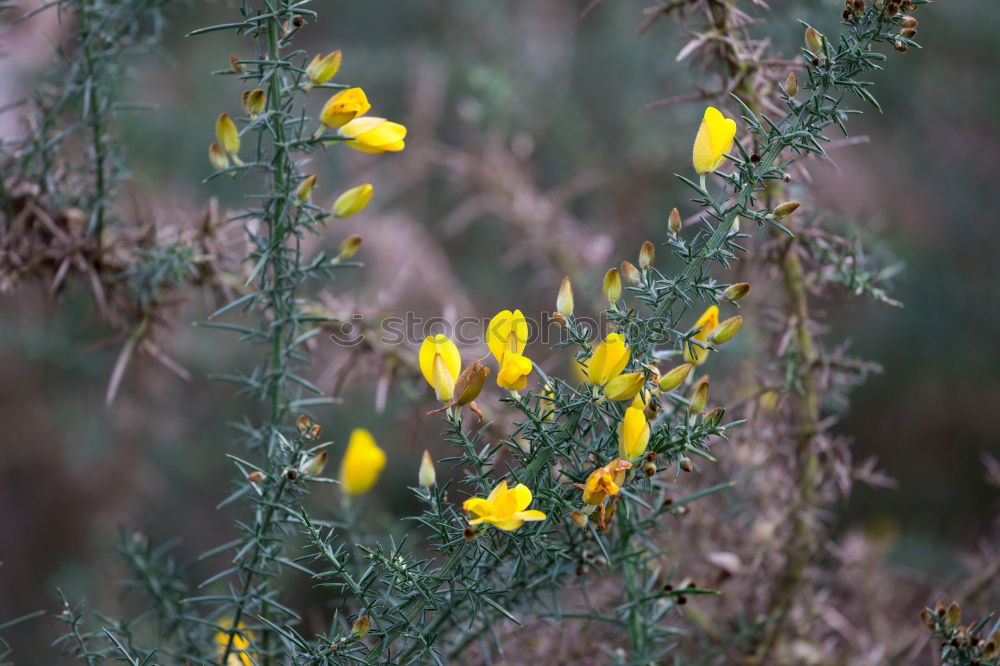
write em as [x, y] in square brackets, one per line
[791, 85]
[726, 331]
[953, 615]
[699, 396]
[427, 475]
[350, 246]
[675, 377]
[814, 41]
[612, 286]
[361, 626]
[737, 291]
[305, 188]
[785, 209]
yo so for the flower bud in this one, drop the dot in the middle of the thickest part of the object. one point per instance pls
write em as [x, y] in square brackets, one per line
[470, 533]
[715, 415]
[559, 319]
[302, 424]
[323, 68]
[314, 431]
[726, 331]
[737, 291]
[953, 615]
[625, 387]
[685, 464]
[305, 188]
[909, 33]
[630, 272]
[791, 85]
[427, 476]
[814, 41]
[234, 64]
[361, 626]
[927, 619]
[226, 135]
[908, 22]
[256, 476]
[579, 519]
[785, 209]
[314, 466]
[353, 201]
[217, 157]
[612, 286]
[564, 301]
[350, 246]
[254, 101]
[698, 397]
[675, 377]
[674, 221]
[649, 469]
[647, 254]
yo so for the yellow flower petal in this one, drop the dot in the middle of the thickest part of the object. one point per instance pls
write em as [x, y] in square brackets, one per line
[715, 138]
[353, 201]
[449, 367]
[344, 107]
[362, 464]
[374, 135]
[609, 359]
[633, 434]
[514, 371]
[227, 135]
[708, 321]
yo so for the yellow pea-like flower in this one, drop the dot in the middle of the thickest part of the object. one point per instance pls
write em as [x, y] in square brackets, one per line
[440, 364]
[323, 68]
[362, 464]
[605, 481]
[514, 371]
[715, 138]
[344, 107]
[239, 655]
[633, 434]
[609, 359]
[624, 387]
[226, 135]
[353, 201]
[374, 135]
[706, 324]
[507, 332]
[505, 508]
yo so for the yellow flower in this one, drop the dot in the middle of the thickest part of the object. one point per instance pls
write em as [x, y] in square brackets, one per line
[715, 138]
[633, 434]
[609, 359]
[323, 68]
[706, 324]
[374, 135]
[353, 201]
[344, 107]
[242, 638]
[507, 332]
[504, 508]
[605, 481]
[514, 371]
[624, 387]
[440, 363]
[363, 463]
[227, 135]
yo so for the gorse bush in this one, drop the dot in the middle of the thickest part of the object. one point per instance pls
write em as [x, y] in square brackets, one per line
[556, 510]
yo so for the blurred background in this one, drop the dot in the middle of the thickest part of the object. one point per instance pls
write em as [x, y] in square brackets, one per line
[535, 150]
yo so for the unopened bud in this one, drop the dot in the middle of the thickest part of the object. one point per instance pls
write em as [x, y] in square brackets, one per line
[579, 519]
[322, 68]
[234, 64]
[291, 474]
[675, 377]
[558, 319]
[630, 272]
[814, 41]
[791, 85]
[353, 201]
[953, 615]
[909, 33]
[699, 396]
[361, 626]
[908, 22]
[254, 101]
[314, 466]
[625, 387]
[685, 464]
[314, 431]
[305, 188]
[612, 286]
[858, 6]
[785, 209]
[737, 291]
[217, 157]
[350, 246]
[649, 469]
[901, 46]
[426, 476]
[940, 608]
[564, 301]
[256, 476]
[927, 619]
[726, 331]
[891, 8]
[674, 221]
[647, 255]
[302, 424]
[713, 416]
[992, 647]
[470, 533]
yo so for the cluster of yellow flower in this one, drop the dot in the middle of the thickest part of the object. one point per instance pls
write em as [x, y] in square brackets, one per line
[506, 337]
[344, 112]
